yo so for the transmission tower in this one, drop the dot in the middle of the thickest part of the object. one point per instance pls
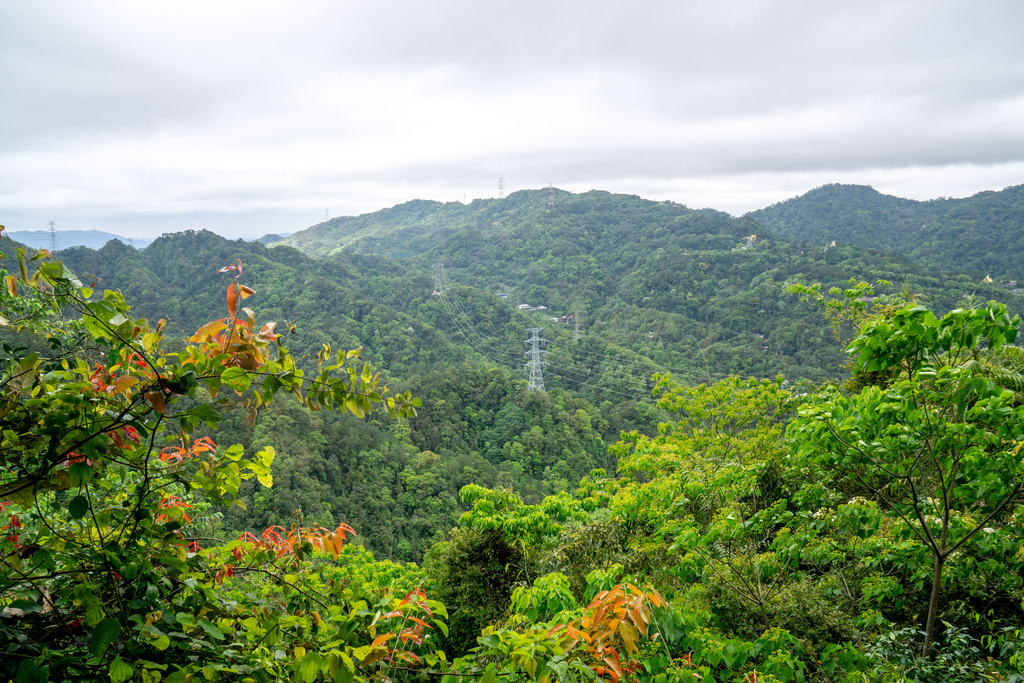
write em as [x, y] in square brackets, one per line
[535, 362]
[501, 188]
[576, 319]
[438, 286]
[327, 215]
[53, 236]
[551, 197]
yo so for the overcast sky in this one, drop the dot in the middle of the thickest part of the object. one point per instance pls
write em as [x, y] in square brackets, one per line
[253, 117]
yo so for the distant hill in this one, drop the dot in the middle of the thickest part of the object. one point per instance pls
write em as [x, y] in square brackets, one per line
[403, 230]
[272, 238]
[981, 235]
[93, 239]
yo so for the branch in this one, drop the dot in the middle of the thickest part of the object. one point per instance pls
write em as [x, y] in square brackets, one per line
[442, 673]
[987, 519]
[282, 580]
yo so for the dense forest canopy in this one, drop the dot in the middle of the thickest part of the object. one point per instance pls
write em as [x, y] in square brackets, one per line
[744, 467]
[980, 235]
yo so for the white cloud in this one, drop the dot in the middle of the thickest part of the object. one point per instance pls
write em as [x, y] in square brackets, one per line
[253, 117]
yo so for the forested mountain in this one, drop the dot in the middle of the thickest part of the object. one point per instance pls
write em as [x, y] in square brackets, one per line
[656, 287]
[983, 234]
[170, 511]
[648, 280]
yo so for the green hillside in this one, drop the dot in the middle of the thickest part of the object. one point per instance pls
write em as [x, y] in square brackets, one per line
[657, 287]
[206, 504]
[980, 235]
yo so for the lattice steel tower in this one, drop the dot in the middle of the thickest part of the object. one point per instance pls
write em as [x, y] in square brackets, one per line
[501, 188]
[53, 235]
[535, 362]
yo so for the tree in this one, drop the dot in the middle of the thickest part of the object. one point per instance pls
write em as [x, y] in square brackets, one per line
[938, 446]
[106, 489]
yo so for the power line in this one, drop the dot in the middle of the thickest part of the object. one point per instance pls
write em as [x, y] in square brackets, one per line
[571, 372]
[587, 376]
[577, 366]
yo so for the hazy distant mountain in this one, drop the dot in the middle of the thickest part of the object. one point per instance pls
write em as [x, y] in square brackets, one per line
[983, 234]
[273, 238]
[94, 239]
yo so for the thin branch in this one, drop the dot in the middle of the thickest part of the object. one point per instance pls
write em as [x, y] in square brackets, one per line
[280, 578]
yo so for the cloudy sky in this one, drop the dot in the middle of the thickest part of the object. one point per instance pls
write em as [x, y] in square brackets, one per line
[251, 117]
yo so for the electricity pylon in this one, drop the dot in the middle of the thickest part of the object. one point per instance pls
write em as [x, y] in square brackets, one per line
[535, 362]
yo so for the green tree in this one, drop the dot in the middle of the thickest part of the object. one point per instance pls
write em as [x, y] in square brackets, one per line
[938, 446]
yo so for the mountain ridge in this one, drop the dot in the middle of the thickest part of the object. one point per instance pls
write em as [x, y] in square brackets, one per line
[982, 234]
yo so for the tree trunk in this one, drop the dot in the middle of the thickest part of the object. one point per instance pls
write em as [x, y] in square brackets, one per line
[933, 606]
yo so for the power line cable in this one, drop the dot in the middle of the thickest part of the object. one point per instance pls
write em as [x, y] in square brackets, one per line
[642, 363]
[570, 375]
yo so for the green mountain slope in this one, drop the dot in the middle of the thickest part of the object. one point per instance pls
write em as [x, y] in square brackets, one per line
[656, 280]
[983, 234]
[656, 286]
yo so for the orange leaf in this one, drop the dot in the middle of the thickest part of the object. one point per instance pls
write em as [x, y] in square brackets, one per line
[122, 383]
[208, 330]
[232, 299]
[337, 544]
[613, 666]
[12, 285]
[156, 398]
[381, 639]
[246, 291]
[629, 636]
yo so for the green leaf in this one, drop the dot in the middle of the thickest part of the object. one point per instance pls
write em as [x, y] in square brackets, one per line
[489, 641]
[207, 414]
[78, 506]
[488, 677]
[161, 643]
[102, 309]
[80, 473]
[236, 378]
[120, 670]
[106, 632]
[266, 456]
[210, 628]
[309, 667]
[26, 672]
